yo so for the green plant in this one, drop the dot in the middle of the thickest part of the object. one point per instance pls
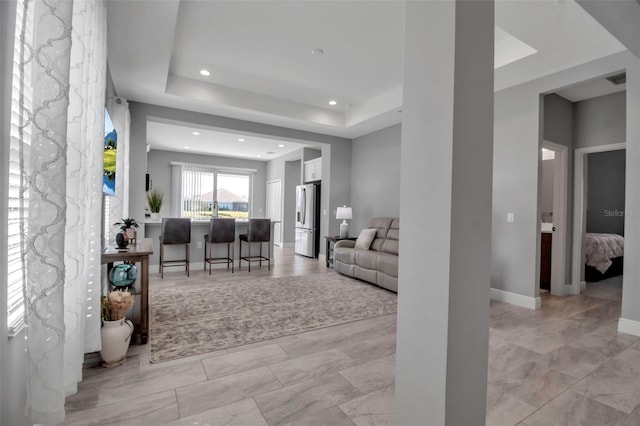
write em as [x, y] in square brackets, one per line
[126, 223]
[155, 199]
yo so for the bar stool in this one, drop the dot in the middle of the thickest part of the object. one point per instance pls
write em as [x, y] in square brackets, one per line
[221, 231]
[259, 232]
[175, 232]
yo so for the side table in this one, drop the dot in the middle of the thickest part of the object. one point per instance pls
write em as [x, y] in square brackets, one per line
[331, 241]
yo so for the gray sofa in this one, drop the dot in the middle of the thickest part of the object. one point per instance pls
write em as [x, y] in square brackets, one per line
[378, 264]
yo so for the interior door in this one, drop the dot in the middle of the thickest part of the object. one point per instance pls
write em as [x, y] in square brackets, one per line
[274, 208]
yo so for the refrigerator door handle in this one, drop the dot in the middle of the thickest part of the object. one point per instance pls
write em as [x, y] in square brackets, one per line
[304, 205]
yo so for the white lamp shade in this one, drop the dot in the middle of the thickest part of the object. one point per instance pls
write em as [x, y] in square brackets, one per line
[343, 213]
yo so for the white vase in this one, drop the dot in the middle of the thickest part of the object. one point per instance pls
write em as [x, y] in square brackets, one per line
[116, 336]
[131, 233]
[155, 216]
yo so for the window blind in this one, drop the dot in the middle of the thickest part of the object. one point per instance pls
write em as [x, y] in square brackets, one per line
[197, 192]
[19, 157]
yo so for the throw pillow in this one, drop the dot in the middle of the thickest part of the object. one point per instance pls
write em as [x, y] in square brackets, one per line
[366, 238]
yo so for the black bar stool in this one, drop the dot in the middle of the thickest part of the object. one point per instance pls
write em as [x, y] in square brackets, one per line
[221, 231]
[259, 232]
[175, 232]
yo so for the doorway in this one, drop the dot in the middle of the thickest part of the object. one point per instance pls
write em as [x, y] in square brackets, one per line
[553, 218]
[598, 209]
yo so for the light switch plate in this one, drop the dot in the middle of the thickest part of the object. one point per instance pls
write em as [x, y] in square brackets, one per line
[511, 218]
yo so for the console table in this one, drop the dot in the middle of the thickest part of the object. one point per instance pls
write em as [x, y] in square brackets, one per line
[135, 253]
[331, 241]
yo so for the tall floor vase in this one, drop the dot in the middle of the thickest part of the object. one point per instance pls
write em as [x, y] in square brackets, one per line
[116, 336]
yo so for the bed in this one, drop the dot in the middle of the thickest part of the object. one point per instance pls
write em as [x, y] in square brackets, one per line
[604, 254]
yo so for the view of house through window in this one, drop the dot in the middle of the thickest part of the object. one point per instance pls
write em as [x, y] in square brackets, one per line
[207, 194]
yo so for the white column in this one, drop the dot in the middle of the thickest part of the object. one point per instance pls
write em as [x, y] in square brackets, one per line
[630, 320]
[445, 208]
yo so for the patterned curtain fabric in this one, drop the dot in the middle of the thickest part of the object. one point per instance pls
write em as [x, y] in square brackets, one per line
[85, 135]
[61, 167]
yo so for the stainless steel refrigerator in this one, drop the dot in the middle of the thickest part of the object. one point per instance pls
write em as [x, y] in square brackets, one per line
[307, 219]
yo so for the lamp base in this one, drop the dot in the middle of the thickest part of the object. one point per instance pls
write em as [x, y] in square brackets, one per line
[344, 229]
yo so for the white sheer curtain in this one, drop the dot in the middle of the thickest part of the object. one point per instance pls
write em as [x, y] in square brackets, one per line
[85, 133]
[61, 167]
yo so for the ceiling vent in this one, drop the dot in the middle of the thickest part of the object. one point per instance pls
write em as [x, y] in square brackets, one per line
[618, 78]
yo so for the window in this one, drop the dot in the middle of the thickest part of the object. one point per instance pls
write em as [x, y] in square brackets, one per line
[18, 159]
[207, 193]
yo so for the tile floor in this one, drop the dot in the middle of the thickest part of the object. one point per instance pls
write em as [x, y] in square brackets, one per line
[564, 364]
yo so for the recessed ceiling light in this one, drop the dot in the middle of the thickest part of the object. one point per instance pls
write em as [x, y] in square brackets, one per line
[280, 145]
[186, 147]
[195, 133]
[332, 102]
[258, 155]
[204, 72]
[240, 140]
[317, 52]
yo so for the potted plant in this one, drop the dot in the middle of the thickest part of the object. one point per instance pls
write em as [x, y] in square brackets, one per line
[116, 329]
[155, 199]
[128, 225]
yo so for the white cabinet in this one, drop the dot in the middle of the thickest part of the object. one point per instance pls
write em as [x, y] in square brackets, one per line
[313, 170]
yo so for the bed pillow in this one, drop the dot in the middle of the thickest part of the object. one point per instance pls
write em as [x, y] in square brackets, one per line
[366, 238]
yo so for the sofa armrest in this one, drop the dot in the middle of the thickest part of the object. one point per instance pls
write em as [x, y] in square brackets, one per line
[345, 243]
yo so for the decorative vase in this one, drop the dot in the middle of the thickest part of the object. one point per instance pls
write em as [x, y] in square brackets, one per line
[116, 336]
[123, 275]
[122, 240]
[131, 233]
[155, 216]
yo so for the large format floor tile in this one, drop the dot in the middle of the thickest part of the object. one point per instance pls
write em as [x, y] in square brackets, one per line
[564, 364]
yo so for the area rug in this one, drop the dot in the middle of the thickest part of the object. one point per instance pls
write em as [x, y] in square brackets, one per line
[197, 319]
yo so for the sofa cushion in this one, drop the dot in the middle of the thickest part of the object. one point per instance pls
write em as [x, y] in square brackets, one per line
[367, 259]
[381, 224]
[365, 274]
[345, 255]
[391, 243]
[388, 264]
[365, 238]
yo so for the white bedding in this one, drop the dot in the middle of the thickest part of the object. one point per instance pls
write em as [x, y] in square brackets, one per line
[599, 249]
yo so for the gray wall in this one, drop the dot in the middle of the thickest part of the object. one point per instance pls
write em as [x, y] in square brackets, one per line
[546, 189]
[288, 168]
[13, 366]
[375, 176]
[292, 178]
[600, 121]
[336, 154]
[517, 140]
[159, 169]
[605, 191]
[558, 120]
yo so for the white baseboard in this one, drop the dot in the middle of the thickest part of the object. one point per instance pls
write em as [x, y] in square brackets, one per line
[515, 299]
[583, 285]
[629, 326]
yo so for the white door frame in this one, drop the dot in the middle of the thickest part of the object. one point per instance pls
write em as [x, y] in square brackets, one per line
[560, 211]
[277, 227]
[580, 210]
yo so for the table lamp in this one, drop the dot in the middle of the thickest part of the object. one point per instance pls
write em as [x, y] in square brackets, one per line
[344, 213]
